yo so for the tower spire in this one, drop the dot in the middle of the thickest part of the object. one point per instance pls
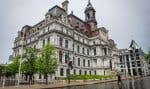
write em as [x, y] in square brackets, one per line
[90, 15]
[89, 1]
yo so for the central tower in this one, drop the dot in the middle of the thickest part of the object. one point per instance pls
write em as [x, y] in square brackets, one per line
[90, 16]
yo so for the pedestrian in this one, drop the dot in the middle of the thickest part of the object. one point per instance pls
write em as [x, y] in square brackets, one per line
[119, 78]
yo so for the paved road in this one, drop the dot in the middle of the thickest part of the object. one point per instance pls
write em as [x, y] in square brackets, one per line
[143, 83]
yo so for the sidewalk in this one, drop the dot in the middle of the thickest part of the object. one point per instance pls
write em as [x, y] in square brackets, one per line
[58, 85]
[61, 84]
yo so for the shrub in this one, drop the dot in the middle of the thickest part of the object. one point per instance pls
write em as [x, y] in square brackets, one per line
[89, 77]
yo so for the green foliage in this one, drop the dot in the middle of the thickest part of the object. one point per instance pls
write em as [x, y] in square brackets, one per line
[147, 57]
[90, 77]
[1, 70]
[47, 63]
[29, 61]
[12, 68]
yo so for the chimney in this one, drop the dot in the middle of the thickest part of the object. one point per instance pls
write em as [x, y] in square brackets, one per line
[65, 5]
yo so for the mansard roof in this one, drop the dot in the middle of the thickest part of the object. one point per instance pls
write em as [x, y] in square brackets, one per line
[56, 11]
[72, 15]
[56, 7]
[79, 24]
[26, 28]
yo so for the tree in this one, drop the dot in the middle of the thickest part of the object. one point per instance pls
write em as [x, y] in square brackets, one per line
[29, 62]
[12, 68]
[147, 57]
[1, 71]
[47, 63]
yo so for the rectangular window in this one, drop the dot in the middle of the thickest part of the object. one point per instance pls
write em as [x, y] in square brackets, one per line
[43, 43]
[131, 51]
[83, 50]
[88, 63]
[61, 72]
[83, 62]
[120, 57]
[127, 58]
[66, 58]
[105, 51]
[78, 61]
[94, 51]
[138, 63]
[73, 60]
[66, 43]
[87, 51]
[95, 61]
[60, 41]
[136, 50]
[78, 49]
[60, 56]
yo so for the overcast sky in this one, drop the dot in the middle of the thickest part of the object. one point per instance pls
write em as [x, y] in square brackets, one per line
[125, 19]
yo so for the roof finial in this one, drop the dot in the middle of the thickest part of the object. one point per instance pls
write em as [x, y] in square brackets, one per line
[71, 12]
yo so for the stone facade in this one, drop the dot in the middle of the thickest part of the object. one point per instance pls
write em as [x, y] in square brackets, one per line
[88, 47]
[132, 61]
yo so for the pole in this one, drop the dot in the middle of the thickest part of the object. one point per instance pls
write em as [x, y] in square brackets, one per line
[20, 63]
[4, 78]
[68, 69]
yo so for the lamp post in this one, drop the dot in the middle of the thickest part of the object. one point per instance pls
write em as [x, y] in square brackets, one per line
[103, 65]
[20, 62]
[69, 67]
[4, 76]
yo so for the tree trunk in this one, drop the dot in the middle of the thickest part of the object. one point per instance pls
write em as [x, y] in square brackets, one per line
[51, 77]
[30, 79]
[33, 79]
[46, 79]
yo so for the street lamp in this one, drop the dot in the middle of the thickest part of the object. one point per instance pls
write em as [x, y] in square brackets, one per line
[4, 75]
[20, 62]
[69, 67]
[103, 59]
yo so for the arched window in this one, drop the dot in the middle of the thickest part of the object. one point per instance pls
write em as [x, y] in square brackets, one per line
[88, 16]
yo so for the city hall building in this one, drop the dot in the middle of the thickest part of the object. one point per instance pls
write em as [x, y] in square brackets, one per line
[88, 46]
